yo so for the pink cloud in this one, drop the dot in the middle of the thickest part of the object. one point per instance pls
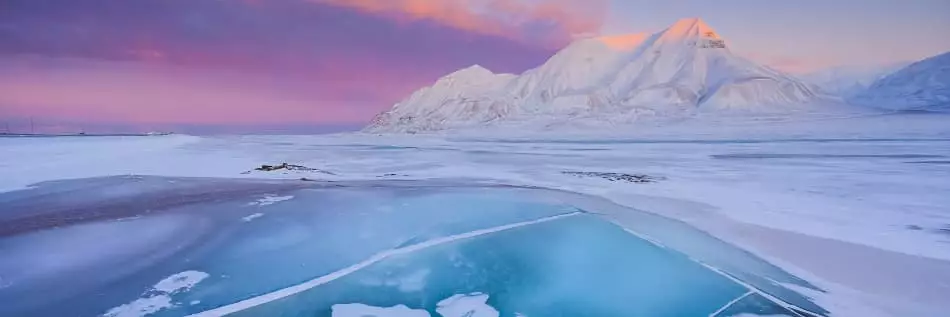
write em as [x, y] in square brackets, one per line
[134, 92]
[263, 62]
[504, 18]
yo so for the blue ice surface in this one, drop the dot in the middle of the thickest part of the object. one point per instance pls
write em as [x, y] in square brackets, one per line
[574, 266]
[324, 230]
[580, 265]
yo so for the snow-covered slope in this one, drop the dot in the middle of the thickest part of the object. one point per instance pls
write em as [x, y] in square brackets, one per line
[684, 70]
[849, 80]
[924, 85]
[467, 95]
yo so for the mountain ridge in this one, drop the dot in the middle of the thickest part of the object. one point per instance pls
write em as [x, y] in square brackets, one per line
[679, 71]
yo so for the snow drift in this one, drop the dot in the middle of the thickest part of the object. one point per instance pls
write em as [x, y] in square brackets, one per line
[684, 70]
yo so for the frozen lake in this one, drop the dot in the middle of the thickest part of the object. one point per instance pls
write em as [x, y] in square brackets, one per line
[158, 246]
[857, 207]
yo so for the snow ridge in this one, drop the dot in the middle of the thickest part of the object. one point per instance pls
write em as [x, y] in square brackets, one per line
[683, 70]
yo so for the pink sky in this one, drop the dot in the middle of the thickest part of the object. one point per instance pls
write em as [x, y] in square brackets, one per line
[251, 63]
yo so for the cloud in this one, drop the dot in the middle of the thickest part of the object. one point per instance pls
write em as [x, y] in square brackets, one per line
[234, 63]
[552, 21]
[132, 92]
[286, 35]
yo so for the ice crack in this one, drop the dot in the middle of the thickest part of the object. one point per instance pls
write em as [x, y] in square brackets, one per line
[296, 289]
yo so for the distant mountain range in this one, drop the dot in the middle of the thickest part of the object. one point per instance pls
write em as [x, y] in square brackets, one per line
[683, 71]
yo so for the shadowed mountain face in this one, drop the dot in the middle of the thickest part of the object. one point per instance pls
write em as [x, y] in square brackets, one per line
[924, 85]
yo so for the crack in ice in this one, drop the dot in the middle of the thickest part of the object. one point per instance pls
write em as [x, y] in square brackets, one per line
[296, 289]
[788, 306]
[729, 304]
[752, 289]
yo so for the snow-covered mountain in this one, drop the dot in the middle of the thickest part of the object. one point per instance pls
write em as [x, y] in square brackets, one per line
[924, 85]
[684, 70]
[849, 80]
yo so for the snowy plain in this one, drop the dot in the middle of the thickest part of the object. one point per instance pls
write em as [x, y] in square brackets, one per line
[860, 206]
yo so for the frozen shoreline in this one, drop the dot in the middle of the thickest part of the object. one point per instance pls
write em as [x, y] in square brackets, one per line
[860, 280]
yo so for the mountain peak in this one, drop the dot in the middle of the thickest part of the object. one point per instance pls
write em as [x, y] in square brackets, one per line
[471, 71]
[472, 76]
[475, 68]
[691, 28]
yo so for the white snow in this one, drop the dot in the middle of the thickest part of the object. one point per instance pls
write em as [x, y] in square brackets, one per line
[363, 310]
[921, 86]
[251, 217]
[469, 92]
[470, 305]
[180, 282]
[99, 156]
[142, 307]
[677, 72]
[270, 200]
[158, 298]
[459, 305]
